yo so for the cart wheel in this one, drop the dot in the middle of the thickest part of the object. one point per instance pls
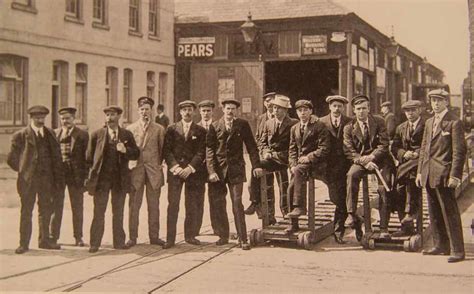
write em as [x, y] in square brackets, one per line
[371, 244]
[415, 243]
[308, 240]
[300, 240]
[259, 238]
[406, 246]
[252, 237]
[365, 240]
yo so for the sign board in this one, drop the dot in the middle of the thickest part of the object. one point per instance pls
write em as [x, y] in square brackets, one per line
[196, 47]
[338, 37]
[226, 88]
[246, 105]
[314, 44]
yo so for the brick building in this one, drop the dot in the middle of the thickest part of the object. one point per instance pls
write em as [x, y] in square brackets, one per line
[85, 54]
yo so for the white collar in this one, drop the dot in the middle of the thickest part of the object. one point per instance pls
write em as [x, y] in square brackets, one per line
[441, 114]
[64, 129]
[186, 124]
[414, 124]
[37, 130]
[142, 123]
[333, 117]
[206, 122]
[161, 115]
[111, 131]
[279, 121]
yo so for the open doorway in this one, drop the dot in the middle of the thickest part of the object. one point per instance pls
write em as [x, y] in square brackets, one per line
[304, 79]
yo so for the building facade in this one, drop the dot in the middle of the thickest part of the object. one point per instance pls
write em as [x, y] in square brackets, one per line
[305, 49]
[83, 53]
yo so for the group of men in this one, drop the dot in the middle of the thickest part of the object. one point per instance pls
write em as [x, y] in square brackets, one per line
[335, 148]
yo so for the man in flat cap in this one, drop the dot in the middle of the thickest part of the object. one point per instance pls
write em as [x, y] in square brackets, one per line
[337, 164]
[217, 201]
[161, 118]
[36, 156]
[274, 143]
[184, 151]
[389, 117]
[309, 146]
[73, 142]
[366, 147]
[440, 168]
[146, 172]
[225, 160]
[261, 121]
[406, 149]
[109, 152]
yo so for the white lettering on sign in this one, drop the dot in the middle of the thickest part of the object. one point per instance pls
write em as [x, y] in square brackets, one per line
[314, 44]
[196, 47]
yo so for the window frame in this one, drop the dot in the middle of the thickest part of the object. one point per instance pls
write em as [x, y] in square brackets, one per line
[154, 19]
[82, 107]
[134, 30]
[151, 78]
[103, 21]
[111, 90]
[127, 94]
[74, 16]
[30, 6]
[20, 83]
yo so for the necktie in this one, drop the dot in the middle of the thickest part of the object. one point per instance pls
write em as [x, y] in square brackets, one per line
[277, 129]
[186, 130]
[302, 129]
[366, 136]
[435, 124]
[114, 135]
[336, 123]
[40, 134]
[411, 129]
[229, 126]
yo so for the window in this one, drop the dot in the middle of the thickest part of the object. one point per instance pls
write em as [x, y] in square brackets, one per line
[99, 14]
[13, 89]
[73, 10]
[127, 94]
[81, 92]
[111, 85]
[59, 89]
[289, 43]
[154, 18]
[150, 84]
[134, 16]
[163, 88]
[25, 5]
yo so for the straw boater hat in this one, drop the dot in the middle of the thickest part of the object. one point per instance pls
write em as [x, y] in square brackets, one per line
[282, 101]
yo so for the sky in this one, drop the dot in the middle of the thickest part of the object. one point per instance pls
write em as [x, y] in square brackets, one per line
[437, 29]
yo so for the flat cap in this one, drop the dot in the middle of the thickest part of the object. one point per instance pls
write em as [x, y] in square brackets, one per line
[145, 100]
[71, 110]
[206, 103]
[38, 109]
[303, 103]
[187, 103]
[439, 93]
[338, 98]
[411, 104]
[113, 108]
[230, 101]
[386, 103]
[282, 101]
[359, 99]
[269, 95]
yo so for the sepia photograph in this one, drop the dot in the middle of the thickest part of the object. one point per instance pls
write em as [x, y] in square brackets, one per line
[236, 146]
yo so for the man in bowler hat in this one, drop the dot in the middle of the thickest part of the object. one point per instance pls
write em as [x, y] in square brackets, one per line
[36, 156]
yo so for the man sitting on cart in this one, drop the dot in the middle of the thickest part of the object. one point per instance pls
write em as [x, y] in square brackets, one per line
[309, 145]
[366, 146]
[273, 144]
[406, 149]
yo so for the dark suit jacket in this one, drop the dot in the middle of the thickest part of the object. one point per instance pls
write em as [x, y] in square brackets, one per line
[261, 121]
[23, 154]
[95, 156]
[276, 143]
[225, 154]
[314, 143]
[442, 154]
[79, 142]
[337, 163]
[391, 124]
[354, 144]
[403, 143]
[164, 120]
[181, 150]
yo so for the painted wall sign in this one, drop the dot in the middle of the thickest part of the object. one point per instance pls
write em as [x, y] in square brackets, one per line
[226, 89]
[267, 45]
[196, 47]
[314, 44]
[246, 105]
[338, 37]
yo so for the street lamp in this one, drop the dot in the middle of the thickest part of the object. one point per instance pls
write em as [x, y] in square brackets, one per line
[249, 29]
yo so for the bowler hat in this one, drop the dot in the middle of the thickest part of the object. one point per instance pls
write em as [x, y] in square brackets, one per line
[206, 103]
[145, 100]
[439, 93]
[187, 103]
[230, 101]
[282, 101]
[303, 103]
[338, 98]
[113, 108]
[38, 109]
[71, 110]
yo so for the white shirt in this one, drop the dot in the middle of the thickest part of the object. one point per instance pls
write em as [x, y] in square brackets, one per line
[228, 124]
[303, 126]
[111, 133]
[38, 131]
[206, 124]
[361, 125]
[186, 127]
[414, 124]
[438, 118]
[333, 120]
[65, 131]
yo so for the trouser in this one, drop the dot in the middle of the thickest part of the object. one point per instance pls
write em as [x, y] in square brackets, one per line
[41, 188]
[76, 197]
[408, 200]
[445, 219]
[337, 188]
[235, 191]
[100, 205]
[281, 174]
[297, 188]
[218, 209]
[354, 175]
[194, 205]
[153, 205]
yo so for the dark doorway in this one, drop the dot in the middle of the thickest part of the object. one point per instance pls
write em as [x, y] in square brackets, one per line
[304, 79]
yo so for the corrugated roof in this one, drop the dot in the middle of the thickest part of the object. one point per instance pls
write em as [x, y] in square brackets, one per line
[193, 11]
